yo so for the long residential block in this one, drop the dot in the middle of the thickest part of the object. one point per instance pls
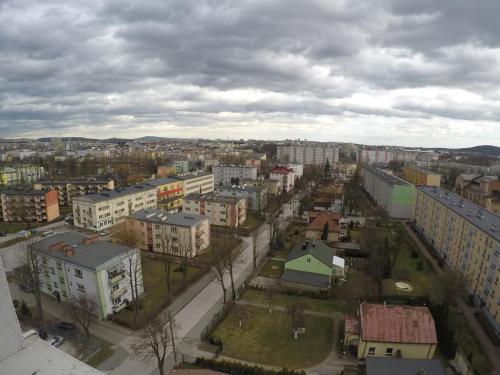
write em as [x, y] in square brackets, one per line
[419, 176]
[68, 189]
[233, 174]
[29, 206]
[394, 195]
[467, 238]
[255, 196]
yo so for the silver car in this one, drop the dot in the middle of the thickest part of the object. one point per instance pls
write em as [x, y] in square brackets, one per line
[56, 341]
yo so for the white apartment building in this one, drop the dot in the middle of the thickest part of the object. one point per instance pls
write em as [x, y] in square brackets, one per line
[285, 175]
[233, 174]
[185, 234]
[308, 153]
[298, 169]
[98, 211]
[255, 196]
[198, 182]
[76, 265]
[224, 211]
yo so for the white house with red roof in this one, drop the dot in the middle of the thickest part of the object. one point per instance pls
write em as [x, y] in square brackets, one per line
[284, 174]
[396, 331]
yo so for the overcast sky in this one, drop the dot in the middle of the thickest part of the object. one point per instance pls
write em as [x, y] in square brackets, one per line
[415, 72]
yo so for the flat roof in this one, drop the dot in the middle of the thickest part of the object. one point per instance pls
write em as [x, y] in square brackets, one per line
[155, 215]
[239, 188]
[191, 176]
[90, 255]
[480, 217]
[387, 177]
[211, 196]
[422, 170]
[162, 181]
[73, 181]
[10, 191]
[118, 192]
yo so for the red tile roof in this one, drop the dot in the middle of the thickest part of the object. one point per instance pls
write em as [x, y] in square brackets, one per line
[322, 219]
[403, 324]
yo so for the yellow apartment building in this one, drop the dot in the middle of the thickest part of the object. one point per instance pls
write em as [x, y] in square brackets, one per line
[467, 238]
[419, 176]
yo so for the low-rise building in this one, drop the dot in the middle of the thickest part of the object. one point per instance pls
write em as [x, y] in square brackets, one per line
[68, 189]
[467, 238]
[419, 176]
[394, 195]
[255, 196]
[220, 210]
[396, 331]
[480, 189]
[98, 211]
[180, 233]
[326, 226]
[233, 174]
[77, 265]
[29, 206]
[311, 266]
[286, 176]
[273, 187]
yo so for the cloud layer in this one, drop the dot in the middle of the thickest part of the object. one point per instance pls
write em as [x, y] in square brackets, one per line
[378, 72]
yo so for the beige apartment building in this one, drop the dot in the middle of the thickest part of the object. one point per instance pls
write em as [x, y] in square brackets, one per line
[273, 187]
[68, 189]
[28, 206]
[224, 211]
[419, 176]
[467, 238]
[183, 234]
[198, 182]
[98, 211]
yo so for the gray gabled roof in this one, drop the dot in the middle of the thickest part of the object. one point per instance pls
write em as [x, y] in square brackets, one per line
[388, 366]
[156, 215]
[104, 195]
[306, 278]
[316, 248]
[89, 256]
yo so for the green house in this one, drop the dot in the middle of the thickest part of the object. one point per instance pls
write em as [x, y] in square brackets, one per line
[311, 265]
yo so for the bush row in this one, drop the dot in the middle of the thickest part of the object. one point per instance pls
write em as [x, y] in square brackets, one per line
[236, 368]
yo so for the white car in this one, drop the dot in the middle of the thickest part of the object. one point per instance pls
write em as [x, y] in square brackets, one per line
[48, 232]
[56, 341]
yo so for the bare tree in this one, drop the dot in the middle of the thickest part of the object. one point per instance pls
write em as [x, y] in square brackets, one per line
[33, 275]
[295, 312]
[82, 309]
[270, 295]
[133, 272]
[167, 258]
[220, 267]
[155, 339]
[254, 248]
[184, 246]
[125, 234]
[232, 259]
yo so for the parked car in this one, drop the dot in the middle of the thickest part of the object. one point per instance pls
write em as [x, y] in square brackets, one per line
[66, 326]
[42, 334]
[56, 341]
[3, 234]
[23, 234]
[48, 232]
[103, 233]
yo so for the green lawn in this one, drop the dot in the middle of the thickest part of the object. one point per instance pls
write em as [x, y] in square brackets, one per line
[155, 290]
[252, 222]
[11, 227]
[272, 268]
[282, 300]
[220, 244]
[267, 339]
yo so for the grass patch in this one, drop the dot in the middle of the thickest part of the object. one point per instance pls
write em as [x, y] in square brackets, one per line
[101, 355]
[252, 222]
[155, 290]
[267, 339]
[219, 243]
[282, 300]
[11, 227]
[272, 268]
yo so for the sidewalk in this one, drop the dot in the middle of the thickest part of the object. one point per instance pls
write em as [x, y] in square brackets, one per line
[492, 351]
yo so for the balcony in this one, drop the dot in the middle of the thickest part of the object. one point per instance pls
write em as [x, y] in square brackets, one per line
[115, 277]
[119, 307]
[118, 292]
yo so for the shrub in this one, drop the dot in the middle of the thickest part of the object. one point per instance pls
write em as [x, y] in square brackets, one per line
[420, 266]
[296, 232]
[414, 254]
[237, 368]
[15, 302]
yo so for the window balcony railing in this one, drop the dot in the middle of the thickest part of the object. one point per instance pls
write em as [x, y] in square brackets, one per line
[118, 292]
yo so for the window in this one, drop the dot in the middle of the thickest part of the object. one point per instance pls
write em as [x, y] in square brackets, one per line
[78, 273]
[388, 352]
[81, 288]
[115, 287]
[52, 270]
[308, 260]
[63, 293]
[61, 280]
[371, 350]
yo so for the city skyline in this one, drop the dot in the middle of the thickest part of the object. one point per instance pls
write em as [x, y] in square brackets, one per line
[378, 73]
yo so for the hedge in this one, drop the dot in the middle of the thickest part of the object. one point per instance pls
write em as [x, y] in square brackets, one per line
[237, 368]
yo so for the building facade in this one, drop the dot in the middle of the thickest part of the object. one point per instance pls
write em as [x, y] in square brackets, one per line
[255, 196]
[29, 206]
[394, 195]
[77, 265]
[169, 193]
[233, 174]
[273, 187]
[180, 233]
[20, 174]
[480, 189]
[98, 211]
[198, 182]
[223, 211]
[308, 153]
[285, 175]
[467, 238]
[419, 176]
[66, 190]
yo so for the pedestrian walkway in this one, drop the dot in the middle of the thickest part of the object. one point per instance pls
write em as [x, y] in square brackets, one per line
[492, 351]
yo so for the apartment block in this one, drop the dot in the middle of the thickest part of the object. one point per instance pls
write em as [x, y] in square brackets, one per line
[286, 176]
[33, 206]
[273, 187]
[308, 153]
[20, 174]
[75, 264]
[184, 234]
[480, 189]
[394, 195]
[233, 174]
[297, 169]
[419, 176]
[255, 196]
[467, 238]
[197, 182]
[169, 192]
[98, 211]
[68, 189]
[220, 210]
